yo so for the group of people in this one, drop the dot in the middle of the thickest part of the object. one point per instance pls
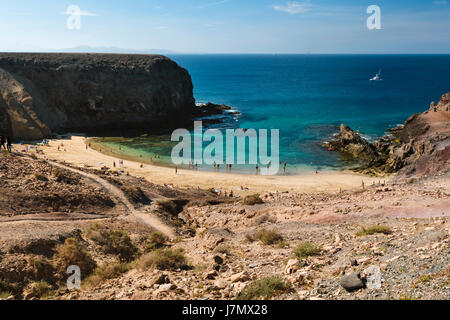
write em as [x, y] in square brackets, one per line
[120, 164]
[5, 142]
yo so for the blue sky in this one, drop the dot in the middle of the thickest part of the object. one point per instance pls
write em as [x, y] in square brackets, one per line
[229, 26]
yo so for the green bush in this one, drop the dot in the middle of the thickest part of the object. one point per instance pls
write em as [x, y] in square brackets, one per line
[163, 259]
[373, 230]
[306, 249]
[156, 240]
[115, 242]
[118, 242]
[265, 288]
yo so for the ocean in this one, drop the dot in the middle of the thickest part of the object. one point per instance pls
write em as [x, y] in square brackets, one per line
[307, 97]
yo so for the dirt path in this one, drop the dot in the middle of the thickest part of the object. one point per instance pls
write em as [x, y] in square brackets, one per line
[141, 216]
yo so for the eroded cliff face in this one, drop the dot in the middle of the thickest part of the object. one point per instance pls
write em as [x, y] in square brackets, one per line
[420, 148]
[44, 94]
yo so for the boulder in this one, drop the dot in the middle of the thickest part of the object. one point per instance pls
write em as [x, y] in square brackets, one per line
[353, 145]
[240, 277]
[372, 277]
[292, 266]
[352, 282]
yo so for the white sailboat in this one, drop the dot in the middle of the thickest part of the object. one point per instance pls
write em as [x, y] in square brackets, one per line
[377, 78]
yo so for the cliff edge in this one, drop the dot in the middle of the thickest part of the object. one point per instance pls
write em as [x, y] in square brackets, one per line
[42, 94]
[419, 148]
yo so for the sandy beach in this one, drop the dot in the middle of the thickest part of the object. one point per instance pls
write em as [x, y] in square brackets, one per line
[74, 152]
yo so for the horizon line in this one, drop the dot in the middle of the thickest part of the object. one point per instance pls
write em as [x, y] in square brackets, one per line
[220, 53]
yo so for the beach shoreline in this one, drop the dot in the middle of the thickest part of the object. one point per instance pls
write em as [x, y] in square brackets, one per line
[75, 151]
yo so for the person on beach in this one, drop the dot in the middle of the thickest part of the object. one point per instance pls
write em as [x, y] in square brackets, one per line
[257, 169]
[2, 142]
[176, 170]
[9, 144]
[284, 168]
[114, 164]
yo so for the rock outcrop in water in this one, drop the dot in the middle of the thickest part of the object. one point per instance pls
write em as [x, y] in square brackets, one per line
[421, 147]
[43, 94]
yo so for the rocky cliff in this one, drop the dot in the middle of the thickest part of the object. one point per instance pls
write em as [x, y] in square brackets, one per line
[43, 94]
[420, 147]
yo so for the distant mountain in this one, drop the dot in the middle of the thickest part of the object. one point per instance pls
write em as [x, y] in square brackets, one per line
[88, 49]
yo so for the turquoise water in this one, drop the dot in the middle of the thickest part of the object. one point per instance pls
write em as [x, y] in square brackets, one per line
[307, 96]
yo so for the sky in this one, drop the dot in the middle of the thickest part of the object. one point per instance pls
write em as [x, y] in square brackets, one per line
[227, 26]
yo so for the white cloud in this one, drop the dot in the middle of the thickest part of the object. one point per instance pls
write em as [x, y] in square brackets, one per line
[162, 27]
[293, 7]
[76, 10]
[440, 2]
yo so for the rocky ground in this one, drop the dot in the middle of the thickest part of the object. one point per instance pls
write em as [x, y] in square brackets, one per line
[32, 187]
[274, 246]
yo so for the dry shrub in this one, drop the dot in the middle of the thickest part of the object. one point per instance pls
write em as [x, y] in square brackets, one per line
[156, 240]
[373, 230]
[40, 177]
[265, 288]
[268, 237]
[116, 242]
[135, 194]
[106, 272]
[163, 259]
[62, 175]
[41, 289]
[252, 200]
[72, 253]
[41, 268]
[7, 289]
[307, 249]
[263, 219]
[174, 207]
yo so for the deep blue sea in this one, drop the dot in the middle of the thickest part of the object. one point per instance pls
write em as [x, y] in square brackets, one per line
[308, 96]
